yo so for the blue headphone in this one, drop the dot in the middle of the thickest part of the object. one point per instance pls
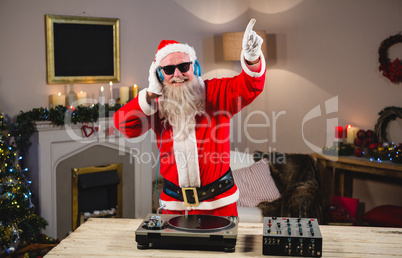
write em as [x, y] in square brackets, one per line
[197, 71]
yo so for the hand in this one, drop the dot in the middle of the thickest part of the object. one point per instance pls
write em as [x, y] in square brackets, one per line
[151, 96]
[154, 85]
[251, 43]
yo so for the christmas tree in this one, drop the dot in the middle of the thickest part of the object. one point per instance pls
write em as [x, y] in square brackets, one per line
[19, 225]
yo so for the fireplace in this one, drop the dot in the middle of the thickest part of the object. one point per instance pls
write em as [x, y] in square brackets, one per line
[57, 150]
[96, 192]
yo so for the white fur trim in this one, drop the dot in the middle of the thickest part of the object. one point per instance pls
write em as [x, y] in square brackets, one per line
[192, 159]
[201, 81]
[173, 48]
[186, 157]
[154, 85]
[177, 205]
[142, 101]
[247, 70]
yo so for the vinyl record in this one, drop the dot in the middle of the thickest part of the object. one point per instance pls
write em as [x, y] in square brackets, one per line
[199, 223]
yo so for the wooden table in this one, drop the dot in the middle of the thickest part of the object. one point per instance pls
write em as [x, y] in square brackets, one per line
[346, 166]
[116, 238]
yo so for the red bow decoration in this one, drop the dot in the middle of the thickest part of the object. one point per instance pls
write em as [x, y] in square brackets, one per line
[393, 71]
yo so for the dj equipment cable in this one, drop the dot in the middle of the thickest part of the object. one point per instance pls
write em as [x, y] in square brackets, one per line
[156, 171]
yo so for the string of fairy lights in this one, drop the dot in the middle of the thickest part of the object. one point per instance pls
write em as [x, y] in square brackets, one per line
[19, 224]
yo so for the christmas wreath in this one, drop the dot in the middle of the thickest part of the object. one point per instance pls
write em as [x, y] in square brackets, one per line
[391, 70]
[386, 115]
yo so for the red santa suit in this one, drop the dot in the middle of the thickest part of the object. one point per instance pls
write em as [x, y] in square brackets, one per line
[203, 156]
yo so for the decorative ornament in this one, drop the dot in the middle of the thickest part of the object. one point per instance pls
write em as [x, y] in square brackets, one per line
[15, 234]
[391, 70]
[88, 131]
[386, 115]
[110, 131]
[11, 250]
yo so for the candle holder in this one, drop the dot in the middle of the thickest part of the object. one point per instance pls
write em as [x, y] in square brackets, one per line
[337, 143]
[102, 96]
[72, 96]
[112, 102]
[339, 149]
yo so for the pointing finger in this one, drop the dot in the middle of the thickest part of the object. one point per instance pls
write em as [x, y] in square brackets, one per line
[249, 28]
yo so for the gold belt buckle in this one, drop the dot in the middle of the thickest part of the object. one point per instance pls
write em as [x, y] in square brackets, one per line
[183, 190]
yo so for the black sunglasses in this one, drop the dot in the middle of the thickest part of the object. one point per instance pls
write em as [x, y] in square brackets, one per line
[183, 67]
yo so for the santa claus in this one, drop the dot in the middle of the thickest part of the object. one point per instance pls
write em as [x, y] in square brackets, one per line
[191, 120]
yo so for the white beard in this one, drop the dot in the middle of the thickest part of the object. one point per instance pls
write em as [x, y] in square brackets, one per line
[180, 105]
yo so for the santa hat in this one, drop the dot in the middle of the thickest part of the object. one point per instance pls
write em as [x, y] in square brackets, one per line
[167, 47]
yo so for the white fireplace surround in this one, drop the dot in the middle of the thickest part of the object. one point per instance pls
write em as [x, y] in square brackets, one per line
[52, 144]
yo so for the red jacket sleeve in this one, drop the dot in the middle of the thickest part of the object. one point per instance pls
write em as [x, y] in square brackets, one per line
[232, 94]
[130, 120]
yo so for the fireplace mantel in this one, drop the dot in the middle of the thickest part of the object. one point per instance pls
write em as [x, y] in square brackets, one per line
[52, 144]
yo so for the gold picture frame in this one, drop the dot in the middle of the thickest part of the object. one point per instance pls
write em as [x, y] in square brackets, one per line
[82, 49]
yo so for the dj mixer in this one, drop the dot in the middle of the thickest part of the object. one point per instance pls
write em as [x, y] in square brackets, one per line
[291, 237]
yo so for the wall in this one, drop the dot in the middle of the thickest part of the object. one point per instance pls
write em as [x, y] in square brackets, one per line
[143, 24]
[326, 49]
[319, 50]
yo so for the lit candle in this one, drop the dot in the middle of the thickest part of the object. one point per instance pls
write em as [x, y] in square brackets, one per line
[111, 89]
[56, 100]
[124, 95]
[346, 130]
[82, 97]
[349, 134]
[135, 91]
[102, 96]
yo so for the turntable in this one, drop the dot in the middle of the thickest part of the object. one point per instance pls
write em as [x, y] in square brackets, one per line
[187, 232]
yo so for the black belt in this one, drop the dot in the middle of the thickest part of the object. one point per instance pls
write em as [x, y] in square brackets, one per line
[192, 196]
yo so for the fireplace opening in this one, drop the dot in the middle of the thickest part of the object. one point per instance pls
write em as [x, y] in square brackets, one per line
[96, 192]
